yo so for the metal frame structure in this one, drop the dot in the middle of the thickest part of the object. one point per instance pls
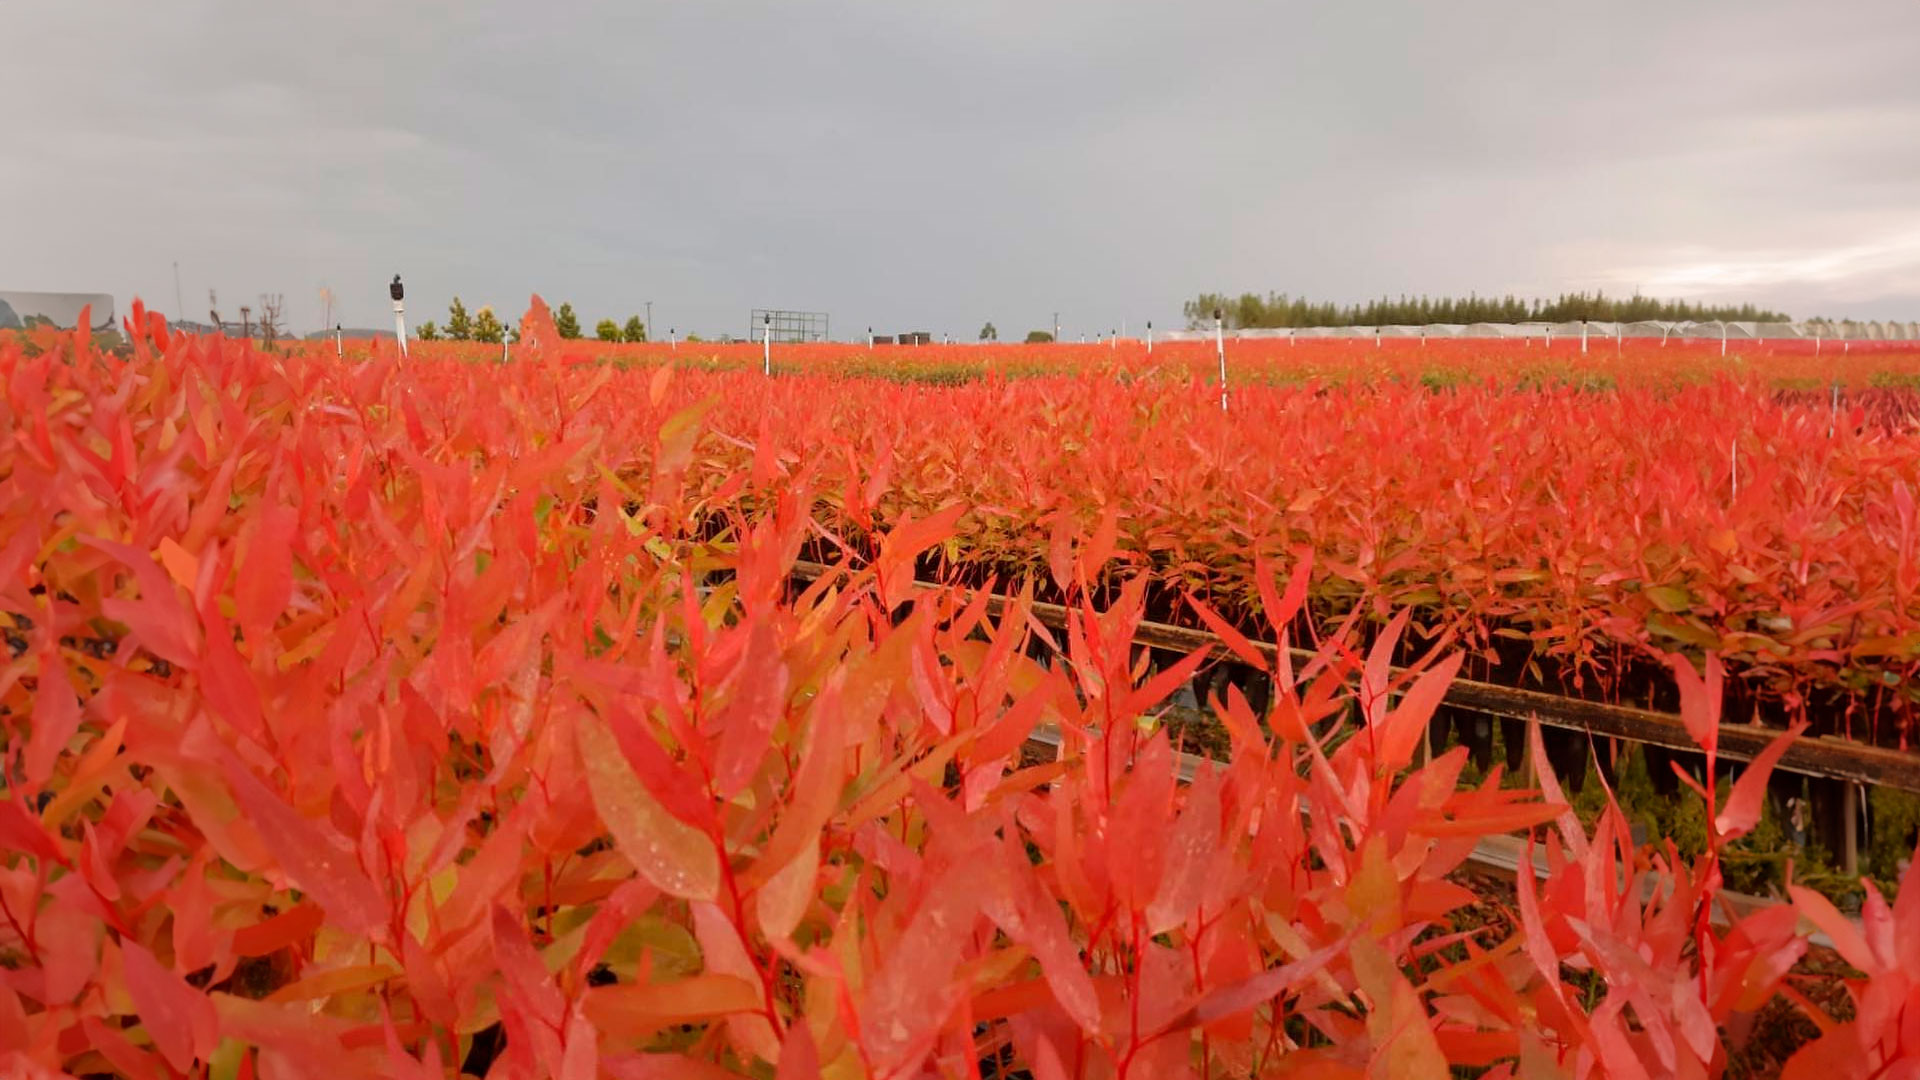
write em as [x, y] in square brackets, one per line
[787, 327]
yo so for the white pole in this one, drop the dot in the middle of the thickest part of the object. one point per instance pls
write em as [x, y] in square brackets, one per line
[506, 336]
[1816, 340]
[1723, 337]
[339, 347]
[1376, 337]
[1617, 327]
[869, 339]
[1583, 337]
[766, 345]
[1149, 337]
[673, 339]
[1220, 346]
[399, 314]
[1549, 339]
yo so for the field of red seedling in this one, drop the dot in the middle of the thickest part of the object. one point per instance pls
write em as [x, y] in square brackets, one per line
[1643, 362]
[377, 718]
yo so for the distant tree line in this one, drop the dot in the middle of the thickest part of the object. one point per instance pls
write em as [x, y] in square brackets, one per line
[484, 326]
[1278, 309]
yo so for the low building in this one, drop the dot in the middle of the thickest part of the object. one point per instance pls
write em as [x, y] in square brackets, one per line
[18, 310]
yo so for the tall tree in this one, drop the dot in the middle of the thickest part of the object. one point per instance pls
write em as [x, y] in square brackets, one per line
[487, 327]
[988, 333]
[566, 323]
[459, 323]
[635, 331]
[607, 330]
[428, 331]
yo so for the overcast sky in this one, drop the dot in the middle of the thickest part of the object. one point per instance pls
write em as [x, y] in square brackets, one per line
[920, 165]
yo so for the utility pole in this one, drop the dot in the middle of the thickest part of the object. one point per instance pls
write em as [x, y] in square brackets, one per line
[766, 345]
[1056, 328]
[649, 334]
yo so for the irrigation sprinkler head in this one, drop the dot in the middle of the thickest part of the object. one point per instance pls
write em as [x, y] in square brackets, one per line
[397, 290]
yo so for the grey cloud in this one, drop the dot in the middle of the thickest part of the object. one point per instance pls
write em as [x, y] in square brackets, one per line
[937, 166]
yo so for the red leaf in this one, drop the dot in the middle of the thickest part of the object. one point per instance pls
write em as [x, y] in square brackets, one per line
[1742, 811]
[1571, 830]
[1379, 670]
[1234, 640]
[904, 544]
[56, 716]
[21, 831]
[799, 1059]
[1163, 684]
[228, 686]
[1406, 725]
[264, 581]
[178, 1018]
[321, 865]
[676, 857]
[162, 623]
[1699, 700]
[723, 953]
[1490, 821]
[1099, 549]
[1060, 552]
[1191, 844]
[1281, 610]
[746, 722]
[1137, 826]
[1238, 998]
[1838, 928]
[293, 925]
